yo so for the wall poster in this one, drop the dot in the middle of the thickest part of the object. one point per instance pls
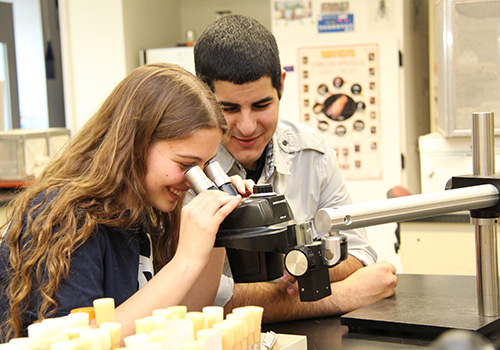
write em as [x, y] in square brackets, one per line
[339, 94]
[334, 17]
[291, 10]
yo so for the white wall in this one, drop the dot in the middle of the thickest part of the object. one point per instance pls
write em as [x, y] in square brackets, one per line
[100, 45]
[101, 41]
[93, 54]
[30, 55]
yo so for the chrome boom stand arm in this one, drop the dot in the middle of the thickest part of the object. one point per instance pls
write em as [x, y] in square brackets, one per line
[412, 207]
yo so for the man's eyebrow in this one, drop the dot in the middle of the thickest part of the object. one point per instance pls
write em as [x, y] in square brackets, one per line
[264, 100]
[232, 104]
[228, 104]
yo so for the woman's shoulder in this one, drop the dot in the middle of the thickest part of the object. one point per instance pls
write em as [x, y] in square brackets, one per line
[42, 199]
[106, 238]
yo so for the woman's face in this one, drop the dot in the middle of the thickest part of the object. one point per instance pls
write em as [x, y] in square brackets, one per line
[166, 162]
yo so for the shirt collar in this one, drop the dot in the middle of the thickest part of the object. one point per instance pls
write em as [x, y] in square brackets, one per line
[269, 165]
[228, 162]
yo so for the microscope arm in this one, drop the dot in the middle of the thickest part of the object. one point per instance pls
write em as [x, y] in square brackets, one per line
[405, 208]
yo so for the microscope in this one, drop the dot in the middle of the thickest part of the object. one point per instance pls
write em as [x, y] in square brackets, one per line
[261, 237]
[261, 230]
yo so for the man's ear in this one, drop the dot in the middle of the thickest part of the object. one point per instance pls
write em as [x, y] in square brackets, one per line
[282, 83]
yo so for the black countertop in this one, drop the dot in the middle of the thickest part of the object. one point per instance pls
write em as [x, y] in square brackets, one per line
[424, 307]
[328, 333]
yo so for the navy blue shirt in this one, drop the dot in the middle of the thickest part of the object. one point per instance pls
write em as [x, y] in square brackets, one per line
[106, 265]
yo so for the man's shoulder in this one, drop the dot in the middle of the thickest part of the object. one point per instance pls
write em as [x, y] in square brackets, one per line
[292, 136]
[284, 122]
[225, 159]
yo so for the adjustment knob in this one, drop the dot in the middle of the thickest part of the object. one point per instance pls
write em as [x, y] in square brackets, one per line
[299, 261]
[263, 188]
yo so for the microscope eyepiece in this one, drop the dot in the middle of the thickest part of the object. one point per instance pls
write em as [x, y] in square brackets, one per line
[198, 180]
[219, 177]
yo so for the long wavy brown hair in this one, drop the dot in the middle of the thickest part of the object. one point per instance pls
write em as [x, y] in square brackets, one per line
[97, 179]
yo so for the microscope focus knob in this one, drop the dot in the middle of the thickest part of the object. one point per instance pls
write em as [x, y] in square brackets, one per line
[299, 261]
[263, 188]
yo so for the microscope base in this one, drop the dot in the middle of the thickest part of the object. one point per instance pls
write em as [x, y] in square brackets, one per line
[425, 304]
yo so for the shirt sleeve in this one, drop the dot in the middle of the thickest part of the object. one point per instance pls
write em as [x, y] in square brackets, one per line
[226, 286]
[106, 265]
[334, 193]
[84, 282]
[308, 175]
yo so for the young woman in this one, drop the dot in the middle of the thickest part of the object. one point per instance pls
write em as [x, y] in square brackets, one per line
[85, 228]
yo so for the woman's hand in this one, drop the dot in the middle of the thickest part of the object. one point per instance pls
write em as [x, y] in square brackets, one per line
[192, 276]
[200, 220]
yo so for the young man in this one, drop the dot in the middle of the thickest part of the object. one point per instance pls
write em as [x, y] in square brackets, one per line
[238, 58]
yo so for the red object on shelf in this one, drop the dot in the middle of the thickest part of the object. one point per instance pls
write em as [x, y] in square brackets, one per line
[12, 184]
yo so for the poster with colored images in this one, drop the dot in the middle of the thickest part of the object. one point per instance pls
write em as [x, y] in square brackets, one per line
[292, 10]
[339, 96]
[335, 17]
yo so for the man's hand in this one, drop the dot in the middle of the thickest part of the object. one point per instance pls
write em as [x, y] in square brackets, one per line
[244, 187]
[367, 285]
[288, 283]
[337, 273]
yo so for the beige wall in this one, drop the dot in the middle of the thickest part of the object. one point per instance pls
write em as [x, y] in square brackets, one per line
[433, 92]
[415, 99]
[196, 15]
[441, 248]
[101, 41]
[156, 24]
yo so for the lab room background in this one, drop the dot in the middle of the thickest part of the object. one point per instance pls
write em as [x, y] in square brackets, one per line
[364, 73]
